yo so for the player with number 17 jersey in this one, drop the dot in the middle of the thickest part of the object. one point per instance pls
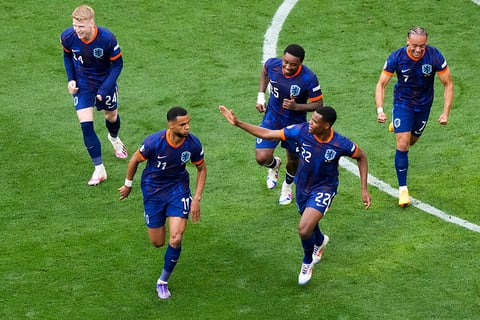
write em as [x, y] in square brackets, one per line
[319, 168]
[165, 175]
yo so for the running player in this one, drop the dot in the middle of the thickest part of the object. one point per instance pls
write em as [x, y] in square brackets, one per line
[416, 65]
[317, 177]
[294, 90]
[165, 186]
[93, 62]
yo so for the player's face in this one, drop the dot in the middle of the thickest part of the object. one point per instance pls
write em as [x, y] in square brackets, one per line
[181, 127]
[317, 125]
[416, 45]
[84, 28]
[290, 64]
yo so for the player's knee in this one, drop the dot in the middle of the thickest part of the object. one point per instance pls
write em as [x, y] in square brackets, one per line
[157, 243]
[413, 140]
[403, 146]
[175, 240]
[304, 232]
[264, 160]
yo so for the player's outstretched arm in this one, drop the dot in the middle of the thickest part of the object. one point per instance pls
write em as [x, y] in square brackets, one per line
[229, 115]
[250, 128]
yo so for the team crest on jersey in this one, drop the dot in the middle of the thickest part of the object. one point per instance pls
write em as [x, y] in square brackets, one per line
[330, 154]
[98, 53]
[295, 90]
[427, 69]
[185, 156]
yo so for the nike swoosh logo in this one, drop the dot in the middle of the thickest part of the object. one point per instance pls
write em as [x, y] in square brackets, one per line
[161, 157]
[306, 145]
[406, 70]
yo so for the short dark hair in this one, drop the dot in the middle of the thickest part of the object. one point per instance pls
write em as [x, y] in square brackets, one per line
[328, 114]
[295, 50]
[175, 112]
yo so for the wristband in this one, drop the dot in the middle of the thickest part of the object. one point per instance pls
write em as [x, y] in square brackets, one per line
[128, 183]
[379, 109]
[261, 98]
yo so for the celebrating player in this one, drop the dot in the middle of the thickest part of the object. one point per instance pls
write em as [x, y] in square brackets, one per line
[93, 62]
[415, 65]
[317, 176]
[165, 186]
[294, 90]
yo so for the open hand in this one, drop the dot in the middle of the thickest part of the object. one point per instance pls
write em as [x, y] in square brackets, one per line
[228, 114]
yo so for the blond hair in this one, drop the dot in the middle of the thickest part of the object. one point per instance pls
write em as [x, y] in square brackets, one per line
[83, 12]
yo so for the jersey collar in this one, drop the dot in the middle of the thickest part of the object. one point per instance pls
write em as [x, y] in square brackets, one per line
[94, 35]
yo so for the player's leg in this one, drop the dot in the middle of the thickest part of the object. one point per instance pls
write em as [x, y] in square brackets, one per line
[310, 218]
[321, 240]
[313, 207]
[419, 124]
[83, 101]
[286, 195]
[264, 155]
[265, 158]
[157, 236]
[177, 212]
[112, 121]
[403, 122]
[155, 218]
[176, 226]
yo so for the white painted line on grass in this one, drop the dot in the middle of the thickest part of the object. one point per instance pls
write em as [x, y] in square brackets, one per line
[477, 2]
[269, 50]
[271, 36]
[349, 166]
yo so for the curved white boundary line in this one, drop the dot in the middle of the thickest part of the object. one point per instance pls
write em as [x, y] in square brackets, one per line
[269, 50]
[271, 36]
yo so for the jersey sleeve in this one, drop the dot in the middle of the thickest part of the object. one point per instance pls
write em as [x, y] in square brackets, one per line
[350, 149]
[147, 146]
[391, 64]
[197, 152]
[65, 41]
[315, 91]
[292, 132]
[440, 62]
